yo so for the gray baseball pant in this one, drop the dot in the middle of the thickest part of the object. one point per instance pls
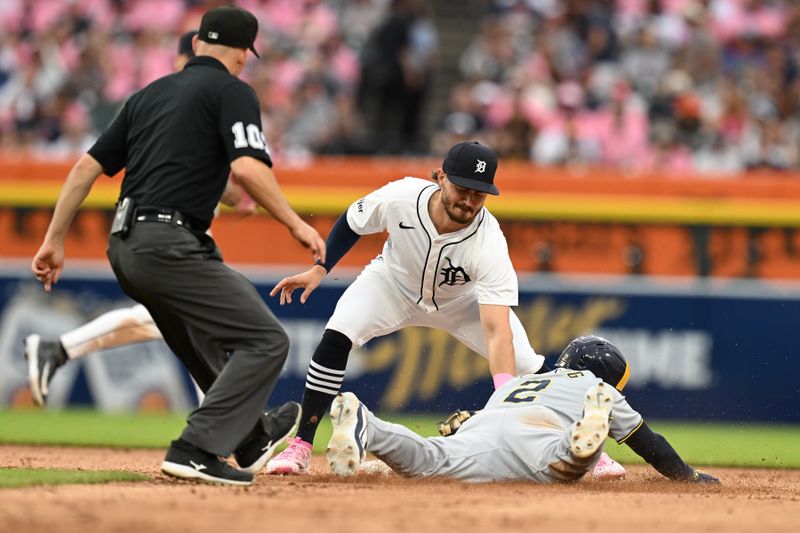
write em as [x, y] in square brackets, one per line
[488, 447]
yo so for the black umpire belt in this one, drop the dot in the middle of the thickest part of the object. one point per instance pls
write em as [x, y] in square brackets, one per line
[166, 216]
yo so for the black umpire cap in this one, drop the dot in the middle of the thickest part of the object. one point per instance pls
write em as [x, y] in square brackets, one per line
[472, 165]
[229, 26]
[185, 44]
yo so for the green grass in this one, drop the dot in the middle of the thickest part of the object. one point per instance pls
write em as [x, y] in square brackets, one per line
[83, 427]
[717, 444]
[25, 477]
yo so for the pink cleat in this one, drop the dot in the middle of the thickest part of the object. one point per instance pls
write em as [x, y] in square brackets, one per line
[607, 469]
[295, 459]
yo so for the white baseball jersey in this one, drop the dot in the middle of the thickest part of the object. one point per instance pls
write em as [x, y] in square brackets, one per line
[426, 279]
[433, 270]
[523, 433]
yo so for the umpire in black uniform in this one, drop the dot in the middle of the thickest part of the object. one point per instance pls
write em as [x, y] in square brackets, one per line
[178, 139]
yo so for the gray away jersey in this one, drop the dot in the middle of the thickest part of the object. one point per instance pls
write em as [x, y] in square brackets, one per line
[523, 432]
[561, 391]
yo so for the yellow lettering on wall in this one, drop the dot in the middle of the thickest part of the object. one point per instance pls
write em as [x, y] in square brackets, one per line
[561, 329]
[480, 368]
[461, 373]
[534, 318]
[402, 383]
[439, 344]
[381, 354]
[551, 327]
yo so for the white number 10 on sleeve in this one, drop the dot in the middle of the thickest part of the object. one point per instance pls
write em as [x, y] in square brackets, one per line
[254, 138]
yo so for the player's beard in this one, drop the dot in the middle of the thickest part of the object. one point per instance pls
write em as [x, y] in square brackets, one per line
[457, 212]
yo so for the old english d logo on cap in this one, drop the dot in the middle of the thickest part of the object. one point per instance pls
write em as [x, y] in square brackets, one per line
[472, 165]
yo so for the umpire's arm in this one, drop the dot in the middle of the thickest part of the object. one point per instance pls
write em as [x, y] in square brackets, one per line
[251, 163]
[49, 260]
[76, 188]
[258, 180]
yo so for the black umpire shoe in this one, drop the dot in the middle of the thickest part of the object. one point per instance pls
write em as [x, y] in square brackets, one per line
[279, 423]
[187, 461]
[44, 357]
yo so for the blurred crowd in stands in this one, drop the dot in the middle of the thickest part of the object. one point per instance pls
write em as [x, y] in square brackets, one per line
[66, 66]
[668, 85]
[671, 86]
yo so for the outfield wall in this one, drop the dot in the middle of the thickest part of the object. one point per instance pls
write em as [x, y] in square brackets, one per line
[588, 220]
[709, 350]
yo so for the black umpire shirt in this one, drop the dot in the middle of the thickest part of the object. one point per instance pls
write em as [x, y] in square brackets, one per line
[177, 136]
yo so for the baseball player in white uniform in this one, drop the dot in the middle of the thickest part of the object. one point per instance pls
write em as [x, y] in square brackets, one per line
[445, 265]
[545, 428]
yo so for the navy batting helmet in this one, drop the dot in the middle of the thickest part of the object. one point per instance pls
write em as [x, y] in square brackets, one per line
[598, 356]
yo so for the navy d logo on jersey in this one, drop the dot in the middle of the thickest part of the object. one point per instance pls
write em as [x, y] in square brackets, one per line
[453, 275]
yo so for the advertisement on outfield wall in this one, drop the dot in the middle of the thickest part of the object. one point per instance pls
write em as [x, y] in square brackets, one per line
[699, 349]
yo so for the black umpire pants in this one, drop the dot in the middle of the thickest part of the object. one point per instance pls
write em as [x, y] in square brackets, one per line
[214, 320]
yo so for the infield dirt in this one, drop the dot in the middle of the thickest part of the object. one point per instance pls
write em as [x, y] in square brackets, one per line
[748, 500]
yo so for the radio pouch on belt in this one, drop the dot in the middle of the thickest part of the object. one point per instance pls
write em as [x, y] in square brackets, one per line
[123, 218]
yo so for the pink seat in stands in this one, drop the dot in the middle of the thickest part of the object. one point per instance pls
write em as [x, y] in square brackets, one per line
[44, 13]
[161, 15]
[11, 13]
[156, 61]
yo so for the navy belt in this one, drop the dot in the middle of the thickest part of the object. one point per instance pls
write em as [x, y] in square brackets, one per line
[165, 216]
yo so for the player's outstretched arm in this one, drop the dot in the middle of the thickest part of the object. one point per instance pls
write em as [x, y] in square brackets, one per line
[340, 240]
[499, 342]
[659, 453]
[308, 281]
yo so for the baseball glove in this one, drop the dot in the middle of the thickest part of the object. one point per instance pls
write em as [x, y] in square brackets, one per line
[451, 424]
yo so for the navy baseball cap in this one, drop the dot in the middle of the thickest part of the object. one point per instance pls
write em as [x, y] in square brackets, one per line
[472, 165]
[229, 26]
[185, 44]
